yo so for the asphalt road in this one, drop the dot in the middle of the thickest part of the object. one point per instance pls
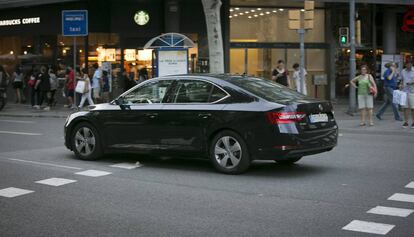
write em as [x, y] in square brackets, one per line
[317, 197]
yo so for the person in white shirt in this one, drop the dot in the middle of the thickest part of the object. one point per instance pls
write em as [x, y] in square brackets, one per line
[86, 95]
[408, 86]
[297, 79]
[96, 82]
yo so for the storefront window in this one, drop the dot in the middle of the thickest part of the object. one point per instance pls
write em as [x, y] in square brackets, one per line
[270, 25]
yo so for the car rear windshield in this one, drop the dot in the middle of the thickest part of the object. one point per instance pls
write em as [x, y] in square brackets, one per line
[266, 89]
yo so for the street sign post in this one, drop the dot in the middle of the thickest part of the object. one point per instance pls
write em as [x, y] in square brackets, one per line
[302, 20]
[74, 23]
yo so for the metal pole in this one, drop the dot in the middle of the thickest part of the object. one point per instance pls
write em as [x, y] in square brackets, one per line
[302, 59]
[74, 69]
[352, 62]
[246, 60]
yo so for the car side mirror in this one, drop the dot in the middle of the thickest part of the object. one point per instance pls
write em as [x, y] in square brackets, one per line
[121, 103]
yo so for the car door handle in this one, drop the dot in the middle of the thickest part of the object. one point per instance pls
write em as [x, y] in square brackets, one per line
[151, 115]
[204, 115]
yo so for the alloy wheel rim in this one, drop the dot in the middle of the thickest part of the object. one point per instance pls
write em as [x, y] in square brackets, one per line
[85, 141]
[228, 152]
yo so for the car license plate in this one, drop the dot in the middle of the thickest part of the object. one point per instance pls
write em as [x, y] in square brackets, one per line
[318, 118]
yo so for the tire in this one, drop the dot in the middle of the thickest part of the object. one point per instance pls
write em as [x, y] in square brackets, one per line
[289, 161]
[86, 142]
[229, 154]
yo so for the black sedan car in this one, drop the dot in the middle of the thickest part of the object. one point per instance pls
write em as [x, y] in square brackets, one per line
[229, 119]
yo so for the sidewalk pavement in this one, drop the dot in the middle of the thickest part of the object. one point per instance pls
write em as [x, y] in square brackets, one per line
[345, 122]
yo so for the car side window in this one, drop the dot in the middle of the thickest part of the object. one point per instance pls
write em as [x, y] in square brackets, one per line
[193, 91]
[150, 93]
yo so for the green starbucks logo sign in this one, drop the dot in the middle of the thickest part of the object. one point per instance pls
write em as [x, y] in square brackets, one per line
[141, 18]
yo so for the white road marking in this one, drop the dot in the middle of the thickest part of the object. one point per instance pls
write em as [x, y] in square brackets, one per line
[128, 166]
[17, 121]
[410, 185]
[93, 173]
[13, 192]
[402, 197]
[56, 181]
[369, 227]
[48, 164]
[390, 211]
[21, 133]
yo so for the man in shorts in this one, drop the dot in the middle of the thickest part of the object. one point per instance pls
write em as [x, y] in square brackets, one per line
[408, 86]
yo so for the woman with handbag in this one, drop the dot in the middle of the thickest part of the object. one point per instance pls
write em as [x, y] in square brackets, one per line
[367, 90]
[86, 92]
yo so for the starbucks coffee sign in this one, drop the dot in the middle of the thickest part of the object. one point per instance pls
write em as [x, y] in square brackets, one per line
[141, 18]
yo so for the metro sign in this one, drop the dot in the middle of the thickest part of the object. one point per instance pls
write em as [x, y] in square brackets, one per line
[408, 21]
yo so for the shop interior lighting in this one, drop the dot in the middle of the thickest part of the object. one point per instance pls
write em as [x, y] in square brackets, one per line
[302, 10]
[64, 51]
[267, 13]
[241, 13]
[29, 46]
[252, 10]
[250, 17]
[281, 9]
[80, 50]
[237, 8]
[259, 9]
[11, 52]
[274, 11]
[256, 15]
[25, 52]
[261, 14]
[230, 16]
[247, 12]
[235, 15]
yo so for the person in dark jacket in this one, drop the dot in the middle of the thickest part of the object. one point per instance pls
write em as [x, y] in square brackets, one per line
[43, 85]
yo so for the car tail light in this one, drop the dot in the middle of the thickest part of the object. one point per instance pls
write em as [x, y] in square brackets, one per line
[285, 117]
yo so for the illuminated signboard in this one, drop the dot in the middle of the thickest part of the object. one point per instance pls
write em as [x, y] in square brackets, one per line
[20, 21]
[141, 18]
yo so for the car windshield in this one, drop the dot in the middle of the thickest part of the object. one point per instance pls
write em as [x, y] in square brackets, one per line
[268, 90]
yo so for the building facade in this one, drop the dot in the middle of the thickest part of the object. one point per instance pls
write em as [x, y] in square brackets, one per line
[255, 34]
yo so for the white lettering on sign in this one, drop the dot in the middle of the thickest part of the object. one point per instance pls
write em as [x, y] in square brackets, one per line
[24, 21]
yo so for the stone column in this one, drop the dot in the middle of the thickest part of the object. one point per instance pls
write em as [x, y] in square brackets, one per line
[389, 36]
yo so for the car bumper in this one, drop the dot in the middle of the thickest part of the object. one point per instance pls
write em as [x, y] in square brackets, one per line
[298, 145]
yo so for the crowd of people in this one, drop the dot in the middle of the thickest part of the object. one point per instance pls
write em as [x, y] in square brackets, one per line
[80, 86]
[393, 80]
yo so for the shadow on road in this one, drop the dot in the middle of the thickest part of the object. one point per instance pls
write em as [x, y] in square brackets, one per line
[257, 169]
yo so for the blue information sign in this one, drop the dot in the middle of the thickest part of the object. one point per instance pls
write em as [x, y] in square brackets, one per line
[74, 22]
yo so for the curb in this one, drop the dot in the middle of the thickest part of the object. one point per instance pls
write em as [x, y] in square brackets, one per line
[33, 115]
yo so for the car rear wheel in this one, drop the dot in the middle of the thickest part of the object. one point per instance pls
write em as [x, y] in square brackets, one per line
[85, 142]
[228, 153]
[289, 161]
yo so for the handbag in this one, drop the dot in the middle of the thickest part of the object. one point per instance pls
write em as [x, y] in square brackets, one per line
[80, 87]
[399, 97]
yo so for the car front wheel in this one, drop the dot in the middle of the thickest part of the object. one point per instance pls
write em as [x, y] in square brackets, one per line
[229, 153]
[85, 142]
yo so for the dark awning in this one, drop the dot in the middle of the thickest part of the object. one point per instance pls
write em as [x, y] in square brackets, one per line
[4, 4]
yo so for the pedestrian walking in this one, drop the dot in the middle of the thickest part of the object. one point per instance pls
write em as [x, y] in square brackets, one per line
[70, 87]
[390, 84]
[43, 84]
[408, 87]
[96, 83]
[105, 86]
[53, 86]
[31, 83]
[367, 90]
[280, 74]
[298, 79]
[87, 92]
[18, 85]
